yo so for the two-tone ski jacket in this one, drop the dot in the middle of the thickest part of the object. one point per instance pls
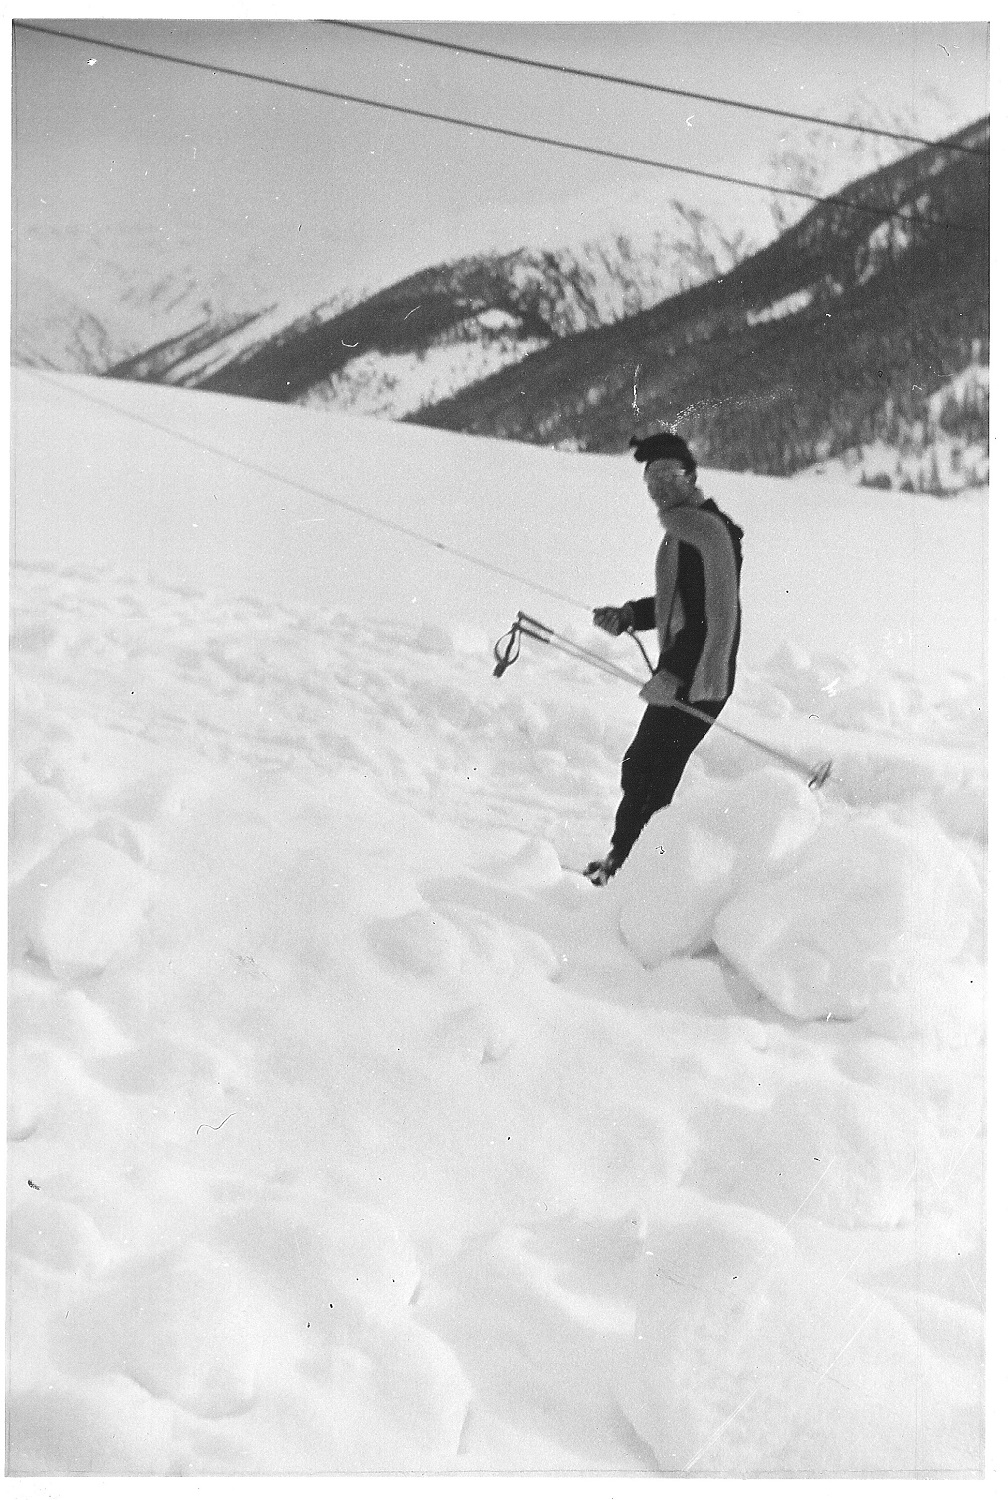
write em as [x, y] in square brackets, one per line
[695, 607]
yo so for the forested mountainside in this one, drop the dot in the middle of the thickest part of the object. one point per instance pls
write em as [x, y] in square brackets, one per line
[836, 336]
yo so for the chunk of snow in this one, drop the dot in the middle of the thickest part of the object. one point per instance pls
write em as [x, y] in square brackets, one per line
[715, 839]
[40, 1006]
[186, 1325]
[51, 1094]
[422, 942]
[343, 1249]
[845, 926]
[735, 1338]
[56, 1234]
[535, 865]
[477, 1033]
[112, 1426]
[80, 907]
[823, 1147]
[39, 818]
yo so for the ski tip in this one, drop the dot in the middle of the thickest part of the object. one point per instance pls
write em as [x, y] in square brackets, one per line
[820, 775]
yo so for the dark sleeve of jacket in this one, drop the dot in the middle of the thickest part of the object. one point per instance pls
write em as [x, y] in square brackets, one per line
[643, 613]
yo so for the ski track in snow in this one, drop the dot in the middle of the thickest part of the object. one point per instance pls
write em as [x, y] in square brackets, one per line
[501, 1172]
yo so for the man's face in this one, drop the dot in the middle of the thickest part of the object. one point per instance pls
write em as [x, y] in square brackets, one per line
[668, 483]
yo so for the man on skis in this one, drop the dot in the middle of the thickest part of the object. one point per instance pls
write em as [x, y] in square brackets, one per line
[696, 613]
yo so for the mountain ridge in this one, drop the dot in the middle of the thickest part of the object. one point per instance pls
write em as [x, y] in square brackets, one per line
[791, 357]
[447, 322]
[664, 316]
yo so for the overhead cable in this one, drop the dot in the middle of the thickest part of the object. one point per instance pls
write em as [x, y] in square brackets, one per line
[498, 130]
[360, 511]
[721, 100]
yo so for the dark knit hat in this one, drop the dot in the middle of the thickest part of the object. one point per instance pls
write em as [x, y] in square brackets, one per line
[664, 445]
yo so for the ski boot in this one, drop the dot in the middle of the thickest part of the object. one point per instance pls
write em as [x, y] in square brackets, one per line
[599, 871]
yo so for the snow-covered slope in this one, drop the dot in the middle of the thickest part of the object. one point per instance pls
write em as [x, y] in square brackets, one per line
[348, 1130]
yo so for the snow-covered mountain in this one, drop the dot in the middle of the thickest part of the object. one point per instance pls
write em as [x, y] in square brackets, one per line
[149, 306]
[90, 300]
[448, 326]
[530, 299]
[589, 265]
[85, 298]
[843, 332]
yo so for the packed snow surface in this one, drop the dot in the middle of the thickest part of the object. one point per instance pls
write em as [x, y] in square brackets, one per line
[349, 1128]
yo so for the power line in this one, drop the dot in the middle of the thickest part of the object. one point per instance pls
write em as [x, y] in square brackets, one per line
[497, 130]
[655, 88]
[316, 494]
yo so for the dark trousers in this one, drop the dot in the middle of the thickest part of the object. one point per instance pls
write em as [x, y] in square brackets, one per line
[653, 767]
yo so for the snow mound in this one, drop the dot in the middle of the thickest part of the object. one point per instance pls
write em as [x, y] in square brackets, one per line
[80, 907]
[347, 1250]
[186, 1326]
[736, 1338]
[39, 818]
[868, 902]
[716, 839]
[422, 942]
[343, 1277]
[52, 1092]
[38, 1006]
[115, 1426]
[532, 867]
[837, 1151]
[58, 1235]
[854, 695]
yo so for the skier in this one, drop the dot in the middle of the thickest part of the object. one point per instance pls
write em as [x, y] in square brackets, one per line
[695, 610]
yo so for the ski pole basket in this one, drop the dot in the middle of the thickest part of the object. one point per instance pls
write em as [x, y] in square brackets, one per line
[508, 648]
[524, 624]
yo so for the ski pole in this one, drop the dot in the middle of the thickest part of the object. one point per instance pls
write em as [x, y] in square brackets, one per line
[816, 774]
[524, 624]
[547, 636]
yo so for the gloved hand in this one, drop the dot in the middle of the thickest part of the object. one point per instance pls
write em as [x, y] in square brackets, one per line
[612, 618]
[662, 690]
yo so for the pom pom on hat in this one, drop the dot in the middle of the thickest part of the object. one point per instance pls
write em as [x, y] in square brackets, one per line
[664, 445]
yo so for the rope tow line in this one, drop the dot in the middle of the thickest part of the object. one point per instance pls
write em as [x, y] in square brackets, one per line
[505, 655]
[316, 494]
[508, 649]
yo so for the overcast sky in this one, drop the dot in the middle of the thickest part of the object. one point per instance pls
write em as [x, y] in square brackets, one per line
[332, 193]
